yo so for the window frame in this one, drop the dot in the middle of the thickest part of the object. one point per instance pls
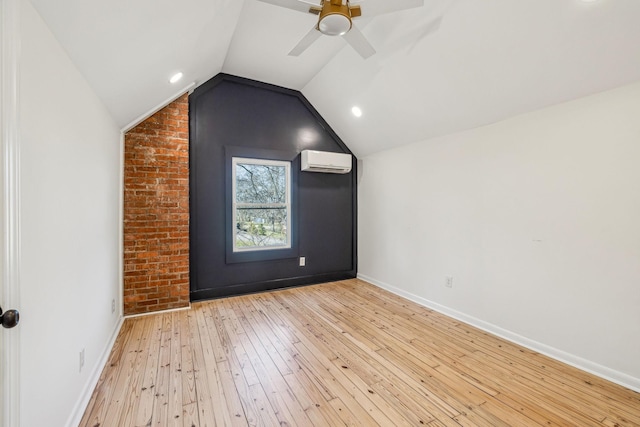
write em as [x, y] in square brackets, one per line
[286, 205]
[271, 255]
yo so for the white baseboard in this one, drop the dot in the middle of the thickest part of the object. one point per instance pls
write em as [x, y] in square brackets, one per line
[151, 313]
[87, 391]
[562, 356]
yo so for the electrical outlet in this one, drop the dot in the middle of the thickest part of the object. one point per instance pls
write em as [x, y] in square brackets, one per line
[303, 261]
[81, 359]
[113, 305]
[448, 281]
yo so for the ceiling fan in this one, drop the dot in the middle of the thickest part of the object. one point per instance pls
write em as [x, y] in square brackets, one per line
[335, 18]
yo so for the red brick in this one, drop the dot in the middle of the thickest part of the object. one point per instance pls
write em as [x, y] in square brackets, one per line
[156, 211]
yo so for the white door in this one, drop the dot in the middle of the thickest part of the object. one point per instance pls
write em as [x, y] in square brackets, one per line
[2, 358]
[9, 211]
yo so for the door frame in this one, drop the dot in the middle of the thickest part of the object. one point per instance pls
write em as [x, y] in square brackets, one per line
[10, 208]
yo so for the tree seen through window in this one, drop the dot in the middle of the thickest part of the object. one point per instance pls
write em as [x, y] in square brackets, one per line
[261, 204]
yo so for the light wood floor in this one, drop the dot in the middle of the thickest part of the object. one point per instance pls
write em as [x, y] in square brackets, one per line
[344, 353]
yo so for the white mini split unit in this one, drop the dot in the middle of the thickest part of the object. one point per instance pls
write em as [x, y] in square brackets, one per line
[326, 162]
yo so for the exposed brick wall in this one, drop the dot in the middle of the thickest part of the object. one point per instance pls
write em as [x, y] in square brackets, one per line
[156, 211]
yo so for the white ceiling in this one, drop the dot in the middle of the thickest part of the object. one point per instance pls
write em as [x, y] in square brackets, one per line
[449, 66]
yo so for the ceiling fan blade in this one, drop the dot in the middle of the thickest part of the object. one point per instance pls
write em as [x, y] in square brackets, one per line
[298, 5]
[306, 41]
[379, 7]
[358, 42]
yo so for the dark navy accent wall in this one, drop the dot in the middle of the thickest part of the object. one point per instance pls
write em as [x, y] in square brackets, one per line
[230, 114]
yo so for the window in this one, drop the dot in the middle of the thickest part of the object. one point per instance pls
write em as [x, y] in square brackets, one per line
[261, 197]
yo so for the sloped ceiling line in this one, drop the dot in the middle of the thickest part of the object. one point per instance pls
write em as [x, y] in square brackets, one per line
[449, 66]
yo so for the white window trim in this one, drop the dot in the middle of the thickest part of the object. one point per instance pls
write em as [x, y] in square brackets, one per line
[263, 162]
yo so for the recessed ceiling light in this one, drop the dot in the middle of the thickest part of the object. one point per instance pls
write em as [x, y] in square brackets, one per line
[356, 111]
[175, 77]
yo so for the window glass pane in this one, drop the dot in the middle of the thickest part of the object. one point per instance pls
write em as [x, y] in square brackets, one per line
[261, 184]
[262, 204]
[266, 228]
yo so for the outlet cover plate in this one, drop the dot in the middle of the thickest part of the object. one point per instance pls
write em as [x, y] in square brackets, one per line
[448, 281]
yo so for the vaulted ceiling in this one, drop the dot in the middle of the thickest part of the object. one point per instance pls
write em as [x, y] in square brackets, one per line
[448, 66]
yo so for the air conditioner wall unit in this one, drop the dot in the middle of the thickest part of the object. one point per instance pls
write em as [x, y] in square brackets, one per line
[325, 161]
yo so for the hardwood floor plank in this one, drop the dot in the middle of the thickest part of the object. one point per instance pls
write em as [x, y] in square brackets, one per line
[287, 409]
[230, 373]
[343, 353]
[135, 382]
[160, 414]
[409, 409]
[318, 358]
[554, 400]
[266, 337]
[190, 416]
[204, 381]
[361, 368]
[146, 398]
[324, 372]
[174, 390]
[301, 388]
[347, 416]
[237, 370]
[189, 396]
[220, 402]
[100, 401]
[358, 368]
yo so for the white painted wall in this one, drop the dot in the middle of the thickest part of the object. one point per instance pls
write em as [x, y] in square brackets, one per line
[70, 228]
[537, 218]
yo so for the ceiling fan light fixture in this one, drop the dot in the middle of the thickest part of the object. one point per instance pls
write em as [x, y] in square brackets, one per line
[335, 24]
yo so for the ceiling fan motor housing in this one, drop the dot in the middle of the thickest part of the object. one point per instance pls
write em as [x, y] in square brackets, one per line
[335, 18]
